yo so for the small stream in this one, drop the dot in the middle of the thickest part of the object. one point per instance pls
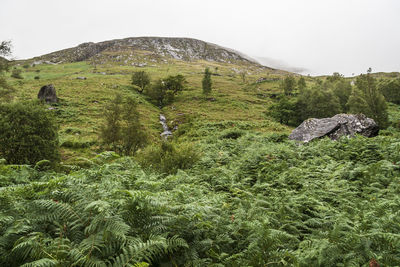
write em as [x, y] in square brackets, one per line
[166, 133]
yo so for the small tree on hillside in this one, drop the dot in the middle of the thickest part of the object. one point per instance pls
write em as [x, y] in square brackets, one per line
[301, 84]
[164, 90]
[288, 85]
[110, 131]
[375, 101]
[121, 130]
[207, 83]
[342, 89]
[243, 76]
[133, 136]
[5, 88]
[318, 102]
[141, 79]
[28, 133]
[391, 90]
[284, 111]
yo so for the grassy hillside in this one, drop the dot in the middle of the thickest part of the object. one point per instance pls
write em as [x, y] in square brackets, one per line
[229, 189]
[82, 102]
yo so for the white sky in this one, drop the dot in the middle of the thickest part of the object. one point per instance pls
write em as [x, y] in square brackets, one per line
[323, 36]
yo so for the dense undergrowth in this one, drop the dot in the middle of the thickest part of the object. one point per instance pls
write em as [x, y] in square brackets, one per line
[252, 199]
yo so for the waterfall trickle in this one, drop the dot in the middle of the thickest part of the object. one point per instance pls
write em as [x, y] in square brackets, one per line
[166, 133]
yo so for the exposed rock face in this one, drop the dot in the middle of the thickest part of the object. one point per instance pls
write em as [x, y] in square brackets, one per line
[48, 94]
[335, 127]
[187, 49]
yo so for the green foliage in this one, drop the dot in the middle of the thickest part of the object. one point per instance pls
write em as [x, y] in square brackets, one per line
[318, 102]
[284, 111]
[169, 157]
[110, 132]
[28, 133]
[336, 76]
[243, 76]
[373, 104]
[5, 89]
[341, 88]
[122, 130]
[16, 73]
[301, 84]
[164, 90]
[248, 201]
[206, 82]
[288, 85]
[141, 79]
[391, 90]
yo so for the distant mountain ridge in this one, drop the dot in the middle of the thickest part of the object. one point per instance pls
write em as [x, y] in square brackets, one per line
[186, 49]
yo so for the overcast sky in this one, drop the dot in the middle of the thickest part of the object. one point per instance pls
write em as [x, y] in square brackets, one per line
[322, 36]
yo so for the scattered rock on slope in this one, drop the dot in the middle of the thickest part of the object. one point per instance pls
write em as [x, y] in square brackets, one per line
[48, 94]
[335, 127]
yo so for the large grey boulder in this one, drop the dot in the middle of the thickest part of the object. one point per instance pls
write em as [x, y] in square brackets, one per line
[335, 127]
[48, 93]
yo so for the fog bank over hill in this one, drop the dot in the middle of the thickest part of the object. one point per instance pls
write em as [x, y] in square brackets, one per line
[280, 64]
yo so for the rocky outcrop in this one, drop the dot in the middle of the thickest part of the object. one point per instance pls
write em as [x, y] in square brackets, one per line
[48, 93]
[186, 49]
[335, 127]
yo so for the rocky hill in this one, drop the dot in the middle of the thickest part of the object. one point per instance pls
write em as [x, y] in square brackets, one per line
[155, 48]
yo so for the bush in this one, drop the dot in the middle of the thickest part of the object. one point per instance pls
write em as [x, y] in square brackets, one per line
[164, 90]
[141, 79]
[169, 157]
[16, 73]
[206, 82]
[37, 77]
[121, 130]
[28, 133]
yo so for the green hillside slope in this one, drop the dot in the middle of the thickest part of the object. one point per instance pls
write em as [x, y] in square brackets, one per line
[228, 189]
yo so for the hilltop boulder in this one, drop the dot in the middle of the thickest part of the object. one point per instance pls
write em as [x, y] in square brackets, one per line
[48, 93]
[335, 127]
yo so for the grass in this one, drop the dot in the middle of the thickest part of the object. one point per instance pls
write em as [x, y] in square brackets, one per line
[82, 101]
[232, 100]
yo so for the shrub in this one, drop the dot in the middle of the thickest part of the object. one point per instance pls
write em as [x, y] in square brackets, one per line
[121, 130]
[169, 157]
[16, 73]
[207, 83]
[37, 77]
[28, 133]
[141, 79]
[164, 90]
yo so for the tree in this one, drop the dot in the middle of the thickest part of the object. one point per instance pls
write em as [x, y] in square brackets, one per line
[133, 136]
[336, 76]
[164, 90]
[288, 85]
[141, 79]
[376, 107]
[28, 133]
[391, 90]
[207, 83]
[301, 84]
[121, 130]
[284, 111]
[110, 131]
[318, 102]
[5, 88]
[243, 76]
[342, 89]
